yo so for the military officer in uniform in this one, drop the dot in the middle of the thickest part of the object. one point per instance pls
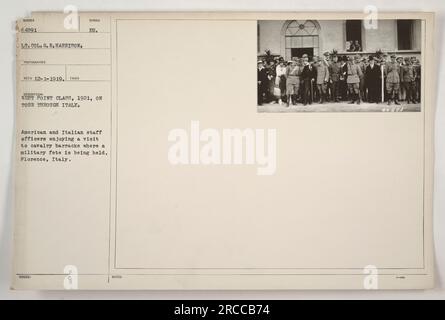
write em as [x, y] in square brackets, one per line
[407, 76]
[293, 73]
[353, 80]
[327, 61]
[334, 74]
[392, 73]
[359, 62]
[322, 80]
[416, 64]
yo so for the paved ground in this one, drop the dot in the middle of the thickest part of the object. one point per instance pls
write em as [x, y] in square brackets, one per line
[341, 107]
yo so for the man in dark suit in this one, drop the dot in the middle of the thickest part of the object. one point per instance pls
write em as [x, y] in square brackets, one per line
[309, 75]
[343, 76]
[262, 83]
[373, 81]
[417, 69]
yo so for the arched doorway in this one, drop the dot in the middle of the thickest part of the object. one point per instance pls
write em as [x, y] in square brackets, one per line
[301, 37]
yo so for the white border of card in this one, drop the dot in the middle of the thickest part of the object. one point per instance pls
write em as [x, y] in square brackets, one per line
[93, 239]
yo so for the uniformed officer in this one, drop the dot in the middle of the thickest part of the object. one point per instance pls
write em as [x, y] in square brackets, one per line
[326, 58]
[392, 75]
[417, 68]
[293, 73]
[334, 73]
[407, 75]
[322, 80]
[353, 80]
[327, 61]
[361, 65]
[402, 93]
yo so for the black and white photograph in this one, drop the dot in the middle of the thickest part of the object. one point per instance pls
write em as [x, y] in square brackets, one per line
[339, 65]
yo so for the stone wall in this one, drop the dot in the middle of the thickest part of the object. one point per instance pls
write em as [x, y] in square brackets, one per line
[332, 35]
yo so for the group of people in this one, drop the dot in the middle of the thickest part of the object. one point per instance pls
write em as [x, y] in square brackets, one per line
[354, 46]
[353, 78]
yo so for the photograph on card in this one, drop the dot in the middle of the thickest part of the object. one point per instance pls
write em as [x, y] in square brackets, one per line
[339, 65]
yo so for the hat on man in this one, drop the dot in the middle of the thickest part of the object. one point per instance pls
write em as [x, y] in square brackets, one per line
[371, 58]
[326, 54]
[393, 56]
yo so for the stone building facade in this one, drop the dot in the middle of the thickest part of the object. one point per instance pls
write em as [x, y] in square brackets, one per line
[292, 38]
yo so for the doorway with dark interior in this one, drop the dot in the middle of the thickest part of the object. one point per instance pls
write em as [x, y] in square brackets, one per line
[298, 52]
